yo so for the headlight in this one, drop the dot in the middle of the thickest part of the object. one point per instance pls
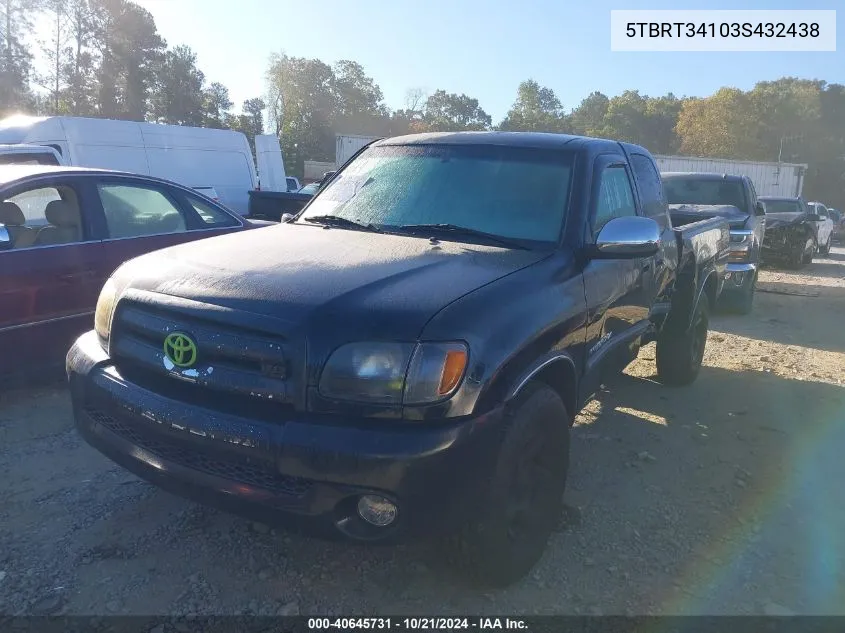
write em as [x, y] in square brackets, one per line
[394, 373]
[104, 311]
[740, 246]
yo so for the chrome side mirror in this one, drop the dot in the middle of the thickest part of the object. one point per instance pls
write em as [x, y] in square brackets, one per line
[628, 237]
[5, 238]
[761, 208]
[287, 217]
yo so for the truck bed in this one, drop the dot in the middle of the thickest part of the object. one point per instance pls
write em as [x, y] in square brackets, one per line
[271, 205]
[703, 245]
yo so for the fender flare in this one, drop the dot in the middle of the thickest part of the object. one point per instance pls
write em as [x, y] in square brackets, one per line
[539, 364]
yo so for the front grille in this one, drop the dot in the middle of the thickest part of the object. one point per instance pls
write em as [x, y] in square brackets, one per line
[230, 467]
[229, 360]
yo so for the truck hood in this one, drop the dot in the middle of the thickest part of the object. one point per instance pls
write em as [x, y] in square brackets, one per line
[733, 215]
[309, 276]
[777, 220]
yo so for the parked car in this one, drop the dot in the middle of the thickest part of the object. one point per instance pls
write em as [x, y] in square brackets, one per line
[406, 356]
[64, 231]
[310, 189]
[699, 195]
[293, 183]
[794, 232]
[824, 226]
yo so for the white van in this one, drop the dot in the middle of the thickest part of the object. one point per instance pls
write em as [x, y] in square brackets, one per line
[201, 158]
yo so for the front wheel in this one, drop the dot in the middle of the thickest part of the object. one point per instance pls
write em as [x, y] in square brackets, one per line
[524, 500]
[680, 350]
[824, 252]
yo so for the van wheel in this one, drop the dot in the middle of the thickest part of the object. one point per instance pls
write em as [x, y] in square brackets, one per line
[525, 495]
[680, 350]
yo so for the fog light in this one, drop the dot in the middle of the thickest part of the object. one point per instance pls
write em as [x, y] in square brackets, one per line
[376, 510]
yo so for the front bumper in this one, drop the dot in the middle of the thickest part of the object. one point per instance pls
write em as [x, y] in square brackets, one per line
[304, 471]
[739, 277]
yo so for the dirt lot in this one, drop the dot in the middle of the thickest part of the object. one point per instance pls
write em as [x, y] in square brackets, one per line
[718, 498]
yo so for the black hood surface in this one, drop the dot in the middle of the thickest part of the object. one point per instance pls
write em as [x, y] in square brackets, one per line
[777, 220]
[310, 275]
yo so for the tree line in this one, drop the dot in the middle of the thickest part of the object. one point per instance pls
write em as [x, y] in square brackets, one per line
[105, 58]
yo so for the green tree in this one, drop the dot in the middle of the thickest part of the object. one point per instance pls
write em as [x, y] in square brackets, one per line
[216, 106]
[80, 64]
[178, 96]
[16, 17]
[130, 51]
[355, 92]
[451, 112]
[724, 125]
[54, 53]
[536, 109]
[588, 118]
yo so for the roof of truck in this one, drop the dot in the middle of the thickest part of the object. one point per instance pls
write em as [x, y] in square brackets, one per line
[539, 140]
[700, 175]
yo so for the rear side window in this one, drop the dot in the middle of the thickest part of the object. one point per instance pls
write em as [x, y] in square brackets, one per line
[651, 187]
[616, 199]
[210, 215]
[133, 211]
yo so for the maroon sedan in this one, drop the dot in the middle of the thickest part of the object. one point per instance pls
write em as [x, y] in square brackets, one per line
[63, 231]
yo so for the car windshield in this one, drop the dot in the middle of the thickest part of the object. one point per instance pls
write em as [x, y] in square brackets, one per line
[705, 192]
[783, 206]
[465, 186]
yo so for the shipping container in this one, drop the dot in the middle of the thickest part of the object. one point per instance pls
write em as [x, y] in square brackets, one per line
[770, 179]
[347, 145]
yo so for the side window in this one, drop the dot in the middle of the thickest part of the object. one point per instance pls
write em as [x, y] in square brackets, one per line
[211, 216]
[135, 211]
[616, 199]
[44, 216]
[651, 186]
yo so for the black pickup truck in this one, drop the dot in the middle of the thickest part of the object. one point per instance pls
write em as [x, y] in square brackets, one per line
[275, 205]
[407, 355]
[695, 196]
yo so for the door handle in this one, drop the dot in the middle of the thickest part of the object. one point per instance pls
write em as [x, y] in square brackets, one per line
[85, 275]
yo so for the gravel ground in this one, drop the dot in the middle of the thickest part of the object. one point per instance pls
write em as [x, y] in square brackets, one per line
[718, 498]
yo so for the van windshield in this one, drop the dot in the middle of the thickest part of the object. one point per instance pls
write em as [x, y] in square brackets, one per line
[515, 193]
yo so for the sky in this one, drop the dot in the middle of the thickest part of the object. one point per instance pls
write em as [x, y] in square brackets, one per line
[481, 48]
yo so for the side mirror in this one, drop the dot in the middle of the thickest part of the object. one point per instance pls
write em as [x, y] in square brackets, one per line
[628, 237]
[760, 208]
[287, 217]
[5, 238]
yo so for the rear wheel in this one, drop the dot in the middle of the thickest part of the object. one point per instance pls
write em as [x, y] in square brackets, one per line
[825, 251]
[680, 347]
[525, 496]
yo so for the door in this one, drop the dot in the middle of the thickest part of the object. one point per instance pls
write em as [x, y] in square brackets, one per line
[759, 220]
[139, 217]
[49, 279]
[825, 226]
[659, 274]
[615, 290]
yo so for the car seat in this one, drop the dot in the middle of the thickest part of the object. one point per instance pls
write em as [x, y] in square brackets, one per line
[64, 225]
[13, 219]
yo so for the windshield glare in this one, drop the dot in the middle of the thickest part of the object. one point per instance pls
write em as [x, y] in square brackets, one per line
[783, 206]
[705, 192]
[515, 193]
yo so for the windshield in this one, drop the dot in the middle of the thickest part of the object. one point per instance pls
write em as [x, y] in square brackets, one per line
[783, 206]
[470, 186]
[705, 192]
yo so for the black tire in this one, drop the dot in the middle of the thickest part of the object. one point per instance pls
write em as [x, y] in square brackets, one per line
[804, 255]
[680, 347]
[824, 252]
[525, 496]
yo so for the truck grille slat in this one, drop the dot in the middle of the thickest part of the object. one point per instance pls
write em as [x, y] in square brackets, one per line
[228, 468]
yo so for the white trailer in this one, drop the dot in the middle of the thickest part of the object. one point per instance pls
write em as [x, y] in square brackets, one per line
[770, 179]
[215, 162]
[347, 145]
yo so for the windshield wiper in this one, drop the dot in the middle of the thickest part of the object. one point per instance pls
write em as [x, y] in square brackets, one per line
[336, 220]
[454, 229]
